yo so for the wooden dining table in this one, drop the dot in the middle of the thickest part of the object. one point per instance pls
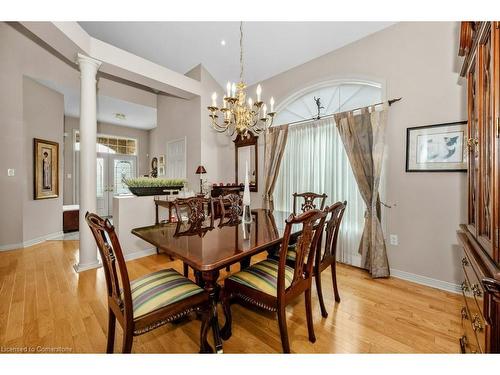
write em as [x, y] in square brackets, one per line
[211, 249]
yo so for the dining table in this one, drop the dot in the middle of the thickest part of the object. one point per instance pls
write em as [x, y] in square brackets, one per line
[209, 249]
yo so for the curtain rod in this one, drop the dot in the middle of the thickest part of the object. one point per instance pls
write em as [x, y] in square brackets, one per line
[390, 102]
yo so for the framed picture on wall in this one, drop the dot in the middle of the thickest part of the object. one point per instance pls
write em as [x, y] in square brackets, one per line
[437, 148]
[46, 169]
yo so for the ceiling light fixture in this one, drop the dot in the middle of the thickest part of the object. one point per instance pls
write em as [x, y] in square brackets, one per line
[222, 42]
[120, 116]
[239, 115]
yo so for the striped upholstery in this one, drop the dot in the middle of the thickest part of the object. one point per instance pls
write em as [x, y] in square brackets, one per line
[291, 254]
[263, 276]
[160, 289]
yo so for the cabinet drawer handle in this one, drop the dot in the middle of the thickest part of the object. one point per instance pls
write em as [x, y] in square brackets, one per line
[464, 286]
[465, 262]
[477, 325]
[476, 290]
[463, 312]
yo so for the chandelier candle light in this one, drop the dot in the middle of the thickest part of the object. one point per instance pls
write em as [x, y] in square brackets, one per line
[239, 115]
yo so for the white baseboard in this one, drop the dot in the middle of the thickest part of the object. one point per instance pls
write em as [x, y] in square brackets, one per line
[140, 254]
[427, 281]
[84, 267]
[48, 237]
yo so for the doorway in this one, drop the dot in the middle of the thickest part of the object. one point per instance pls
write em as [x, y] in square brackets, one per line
[112, 169]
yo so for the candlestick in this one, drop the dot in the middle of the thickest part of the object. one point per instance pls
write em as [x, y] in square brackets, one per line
[228, 87]
[259, 91]
[272, 104]
[214, 99]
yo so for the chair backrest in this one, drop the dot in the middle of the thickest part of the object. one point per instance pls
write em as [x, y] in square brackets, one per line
[231, 209]
[199, 210]
[308, 203]
[312, 223]
[332, 229]
[117, 281]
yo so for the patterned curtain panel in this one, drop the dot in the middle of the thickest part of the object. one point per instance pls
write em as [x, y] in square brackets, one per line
[274, 148]
[363, 136]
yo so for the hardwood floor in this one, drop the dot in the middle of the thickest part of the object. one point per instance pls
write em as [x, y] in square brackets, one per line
[46, 306]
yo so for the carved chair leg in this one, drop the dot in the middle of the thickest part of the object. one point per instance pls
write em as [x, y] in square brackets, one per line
[226, 331]
[310, 325]
[186, 270]
[111, 332]
[317, 278]
[205, 327]
[128, 338]
[334, 280]
[283, 329]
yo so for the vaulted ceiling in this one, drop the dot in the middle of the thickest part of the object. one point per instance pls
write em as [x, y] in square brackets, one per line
[269, 47]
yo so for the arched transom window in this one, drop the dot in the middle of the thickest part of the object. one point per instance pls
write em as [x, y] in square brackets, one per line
[334, 97]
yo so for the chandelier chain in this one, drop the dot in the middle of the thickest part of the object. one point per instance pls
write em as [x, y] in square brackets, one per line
[241, 51]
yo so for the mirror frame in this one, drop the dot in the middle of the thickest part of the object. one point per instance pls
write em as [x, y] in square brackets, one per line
[243, 141]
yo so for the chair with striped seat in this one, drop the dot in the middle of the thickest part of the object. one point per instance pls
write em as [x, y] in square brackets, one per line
[326, 255]
[148, 302]
[272, 284]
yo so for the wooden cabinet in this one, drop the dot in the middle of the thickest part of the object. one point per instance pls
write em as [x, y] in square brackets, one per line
[479, 237]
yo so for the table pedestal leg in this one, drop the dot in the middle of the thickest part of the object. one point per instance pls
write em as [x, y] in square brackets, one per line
[210, 281]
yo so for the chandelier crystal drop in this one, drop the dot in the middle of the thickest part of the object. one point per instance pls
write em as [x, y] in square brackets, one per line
[239, 115]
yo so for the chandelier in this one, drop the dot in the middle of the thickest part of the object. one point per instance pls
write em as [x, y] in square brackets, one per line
[237, 114]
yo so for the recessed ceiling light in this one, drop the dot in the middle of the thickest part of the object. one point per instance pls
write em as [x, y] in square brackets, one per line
[222, 42]
[120, 116]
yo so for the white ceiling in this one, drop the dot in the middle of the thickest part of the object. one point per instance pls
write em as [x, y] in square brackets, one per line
[269, 47]
[136, 115]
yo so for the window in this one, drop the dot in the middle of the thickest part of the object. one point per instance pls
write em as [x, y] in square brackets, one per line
[111, 145]
[315, 159]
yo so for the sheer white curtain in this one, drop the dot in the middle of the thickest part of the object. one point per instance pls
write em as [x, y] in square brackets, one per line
[315, 160]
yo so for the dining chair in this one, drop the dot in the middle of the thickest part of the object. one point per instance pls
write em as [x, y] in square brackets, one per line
[200, 213]
[149, 301]
[230, 208]
[309, 201]
[325, 254]
[272, 284]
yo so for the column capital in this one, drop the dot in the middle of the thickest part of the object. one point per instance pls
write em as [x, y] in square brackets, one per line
[87, 60]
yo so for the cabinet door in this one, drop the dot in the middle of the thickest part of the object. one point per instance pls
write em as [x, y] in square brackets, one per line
[473, 156]
[495, 95]
[487, 136]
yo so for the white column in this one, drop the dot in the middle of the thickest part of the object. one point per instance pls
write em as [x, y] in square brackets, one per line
[88, 170]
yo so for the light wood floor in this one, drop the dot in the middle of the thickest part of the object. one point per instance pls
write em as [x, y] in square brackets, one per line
[44, 303]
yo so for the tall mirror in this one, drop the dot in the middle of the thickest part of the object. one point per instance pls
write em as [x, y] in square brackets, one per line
[246, 152]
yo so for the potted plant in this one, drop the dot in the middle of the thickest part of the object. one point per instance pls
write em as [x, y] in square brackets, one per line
[142, 186]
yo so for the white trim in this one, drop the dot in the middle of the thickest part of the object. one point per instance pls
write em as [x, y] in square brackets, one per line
[80, 268]
[427, 281]
[48, 237]
[140, 254]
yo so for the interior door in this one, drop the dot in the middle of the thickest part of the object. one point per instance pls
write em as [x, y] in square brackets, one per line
[120, 167]
[102, 185]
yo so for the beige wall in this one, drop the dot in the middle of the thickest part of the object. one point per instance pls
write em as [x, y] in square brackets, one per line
[43, 117]
[417, 61]
[72, 123]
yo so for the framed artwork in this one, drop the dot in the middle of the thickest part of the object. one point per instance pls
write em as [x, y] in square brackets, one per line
[161, 160]
[161, 170]
[46, 169]
[437, 148]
